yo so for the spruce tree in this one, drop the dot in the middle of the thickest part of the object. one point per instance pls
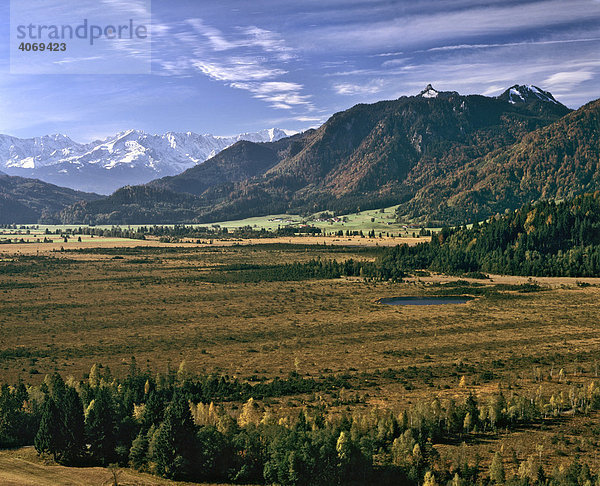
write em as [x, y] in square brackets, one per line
[138, 454]
[174, 445]
[50, 438]
[74, 427]
[101, 427]
[497, 475]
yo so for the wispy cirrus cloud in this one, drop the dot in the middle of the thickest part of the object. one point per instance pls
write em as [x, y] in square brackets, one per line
[268, 41]
[248, 58]
[249, 37]
[388, 54]
[493, 90]
[437, 26]
[511, 44]
[396, 62]
[279, 94]
[215, 37]
[236, 69]
[564, 81]
[352, 89]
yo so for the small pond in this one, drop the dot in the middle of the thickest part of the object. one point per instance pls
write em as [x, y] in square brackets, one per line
[424, 300]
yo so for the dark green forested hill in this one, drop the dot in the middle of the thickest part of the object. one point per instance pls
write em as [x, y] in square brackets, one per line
[242, 161]
[25, 200]
[365, 157]
[139, 203]
[542, 239]
[554, 162]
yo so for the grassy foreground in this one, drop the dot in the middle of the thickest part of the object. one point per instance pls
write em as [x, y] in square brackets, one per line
[64, 312]
[23, 467]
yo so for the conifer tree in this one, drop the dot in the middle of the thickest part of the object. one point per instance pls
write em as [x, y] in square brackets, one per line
[174, 445]
[50, 438]
[497, 475]
[74, 427]
[101, 427]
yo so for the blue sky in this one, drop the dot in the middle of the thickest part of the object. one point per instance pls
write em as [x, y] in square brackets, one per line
[225, 67]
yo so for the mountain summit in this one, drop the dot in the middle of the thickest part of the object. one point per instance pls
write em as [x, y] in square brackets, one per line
[527, 94]
[429, 92]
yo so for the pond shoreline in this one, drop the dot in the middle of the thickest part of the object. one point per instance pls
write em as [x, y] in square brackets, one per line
[446, 300]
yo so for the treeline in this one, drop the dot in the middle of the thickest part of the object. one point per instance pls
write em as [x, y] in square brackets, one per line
[161, 426]
[177, 232]
[542, 239]
[313, 269]
[113, 232]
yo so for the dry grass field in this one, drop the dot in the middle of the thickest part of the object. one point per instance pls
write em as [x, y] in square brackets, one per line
[23, 467]
[34, 245]
[65, 311]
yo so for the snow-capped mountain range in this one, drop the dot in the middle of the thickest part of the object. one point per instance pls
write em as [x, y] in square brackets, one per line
[519, 93]
[102, 166]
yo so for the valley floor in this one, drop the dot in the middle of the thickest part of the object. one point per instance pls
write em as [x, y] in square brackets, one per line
[64, 311]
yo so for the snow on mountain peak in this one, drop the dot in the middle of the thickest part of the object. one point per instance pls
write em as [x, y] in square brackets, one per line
[57, 137]
[527, 93]
[129, 157]
[429, 92]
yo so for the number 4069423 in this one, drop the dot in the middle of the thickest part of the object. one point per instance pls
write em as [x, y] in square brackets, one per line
[42, 46]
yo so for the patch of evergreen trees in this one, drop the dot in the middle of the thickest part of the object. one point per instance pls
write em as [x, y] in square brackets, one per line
[157, 425]
[543, 239]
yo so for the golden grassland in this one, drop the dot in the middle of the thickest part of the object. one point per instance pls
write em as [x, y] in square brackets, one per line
[34, 245]
[64, 311]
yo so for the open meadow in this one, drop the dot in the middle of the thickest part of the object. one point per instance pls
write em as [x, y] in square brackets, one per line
[213, 308]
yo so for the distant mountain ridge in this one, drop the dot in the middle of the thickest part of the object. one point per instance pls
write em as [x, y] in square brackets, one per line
[365, 157]
[131, 157]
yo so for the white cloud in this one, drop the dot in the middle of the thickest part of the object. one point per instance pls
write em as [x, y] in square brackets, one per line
[352, 89]
[279, 94]
[215, 37]
[138, 7]
[396, 62]
[493, 90]
[566, 80]
[237, 69]
[388, 54]
[511, 44]
[269, 87]
[248, 58]
[438, 26]
[268, 41]
[68, 60]
[309, 119]
[251, 37]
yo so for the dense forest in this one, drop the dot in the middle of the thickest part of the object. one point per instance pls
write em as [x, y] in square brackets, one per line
[555, 162]
[542, 239]
[176, 425]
